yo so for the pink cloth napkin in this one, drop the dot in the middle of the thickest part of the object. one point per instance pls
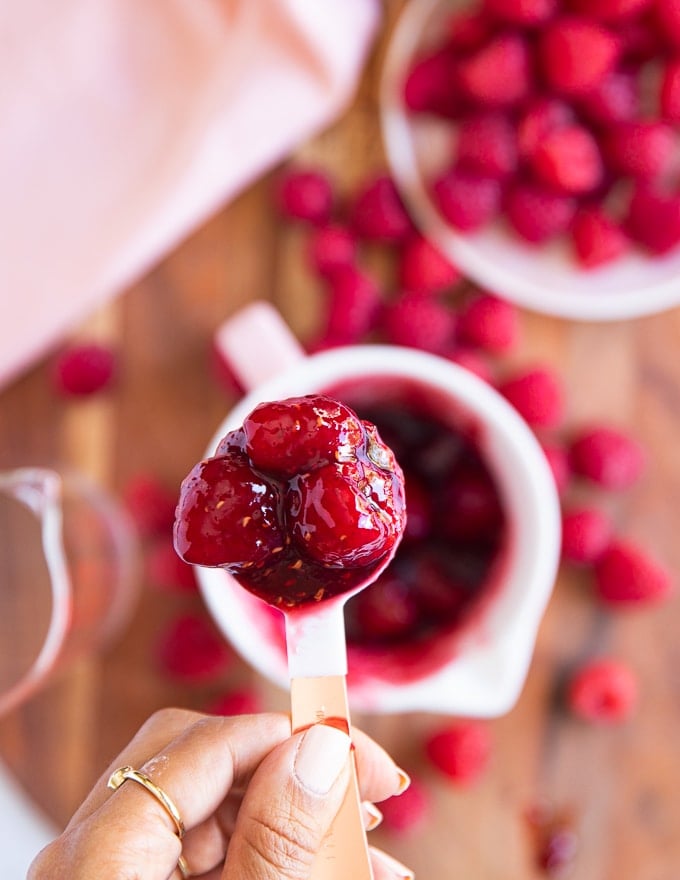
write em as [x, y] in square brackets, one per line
[127, 122]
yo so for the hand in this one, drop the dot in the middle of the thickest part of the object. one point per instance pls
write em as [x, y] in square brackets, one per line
[256, 802]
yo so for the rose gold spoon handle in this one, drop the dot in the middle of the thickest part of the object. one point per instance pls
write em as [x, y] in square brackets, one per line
[344, 852]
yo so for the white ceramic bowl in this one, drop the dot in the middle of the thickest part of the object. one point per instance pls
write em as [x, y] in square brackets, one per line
[545, 279]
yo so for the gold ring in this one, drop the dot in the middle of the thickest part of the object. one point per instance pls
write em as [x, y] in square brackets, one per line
[182, 868]
[118, 777]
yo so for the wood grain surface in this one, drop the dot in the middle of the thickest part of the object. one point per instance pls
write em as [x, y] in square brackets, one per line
[620, 785]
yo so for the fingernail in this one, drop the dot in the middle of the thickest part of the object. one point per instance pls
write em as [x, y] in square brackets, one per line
[392, 865]
[404, 780]
[320, 758]
[374, 815]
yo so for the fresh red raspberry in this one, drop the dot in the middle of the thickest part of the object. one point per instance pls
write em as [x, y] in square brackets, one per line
[387, 610]
[537, 213]
[576, 54]
[558, 461]
[612, 11]
[654, 219]
[378, 213]
[471, 507]
[597, 239]
[487, 144]
[616, 98]
[422, 267]
[406, 813]
[467, 200]
[468, 29]
[670, 91]
[80, 370]
[542, 116]
[608, 457]
[151, 504]
[472, 361]
[166, 571]
[537, 395]
[626, 574]
[569, 160]
[489, 323]
[521, 12]
[305, 195]
[430, 85]
[499, 73]
[236, 702]
[668, 13]
[604, 691]
[586, 533]
[354, 304]
[640, 149]
[461, 750]
[191, 650]
[640, 38]
[330, 248]
[419, 320]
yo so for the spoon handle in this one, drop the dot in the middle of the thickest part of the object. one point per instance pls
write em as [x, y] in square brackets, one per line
[344, 852]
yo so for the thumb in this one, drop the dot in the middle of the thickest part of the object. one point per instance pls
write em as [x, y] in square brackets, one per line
[289, 806]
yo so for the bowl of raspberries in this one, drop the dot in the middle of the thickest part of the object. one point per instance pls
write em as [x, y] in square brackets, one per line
[537, 144]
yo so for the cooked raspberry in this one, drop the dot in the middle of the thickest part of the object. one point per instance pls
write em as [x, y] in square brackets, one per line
[430, 85]
[537, 213]
[467, 200]
[576, 54]
[151, 504]
[610, 10]
[541, 117]
[296, 435]
[80, 370]
[330, 248]
[472, 361]
[499, 73]
[406, 813]
[305, 195]
[597, 239]
[166, 571]
[418, 320]
[604, 691]
[191, 650]
[354, 303]
[228, 515]
[608, 457]
[586, 532]
[487, 144]
[569, 160]
[558, 460]
[614, 99]
[668, 12]
[236, 702]
[522, 12]
[460, 750]
[419, 507]
[386, 610]
[670, 91]
[627, 574]
[424, 268]
[537, 395]
[470, 506]
[378, 213]
[436, 591]
[489, 323]
[468, 29]
[654, 219]
[640, 149]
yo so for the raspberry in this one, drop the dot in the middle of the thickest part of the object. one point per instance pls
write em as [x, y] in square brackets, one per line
[640, 39]
[460, 750]
[626, 574]
[406, 813]
[536, 213]
[166, 570]
[354, 305]
[604, 691]
[429, 86]
[499, 73]
[468, 29]
[569, 160]
[419, 506]
[378, 214]
[597, 239]
[418, 320]
[537, 395]
[614, 99]
[670, 92]
[438, 595]
[80, 370]
[470, 506]
[151, 504]
[607, 457]
[654, 219]
[386, 610]
[586, 532]
[541, 117]
[473, 362]
[424, 268]
[640, 149]
[489, 323]
[576, 54]
[558, 461]
[467, 200]
[668, 12]
[237, 702]
[191, 650]
[305, 195]
[330, 248]
[522, 12]
[610, 10]
[487, 144]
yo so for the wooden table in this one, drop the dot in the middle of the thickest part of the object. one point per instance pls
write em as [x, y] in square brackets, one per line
[620, 785]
